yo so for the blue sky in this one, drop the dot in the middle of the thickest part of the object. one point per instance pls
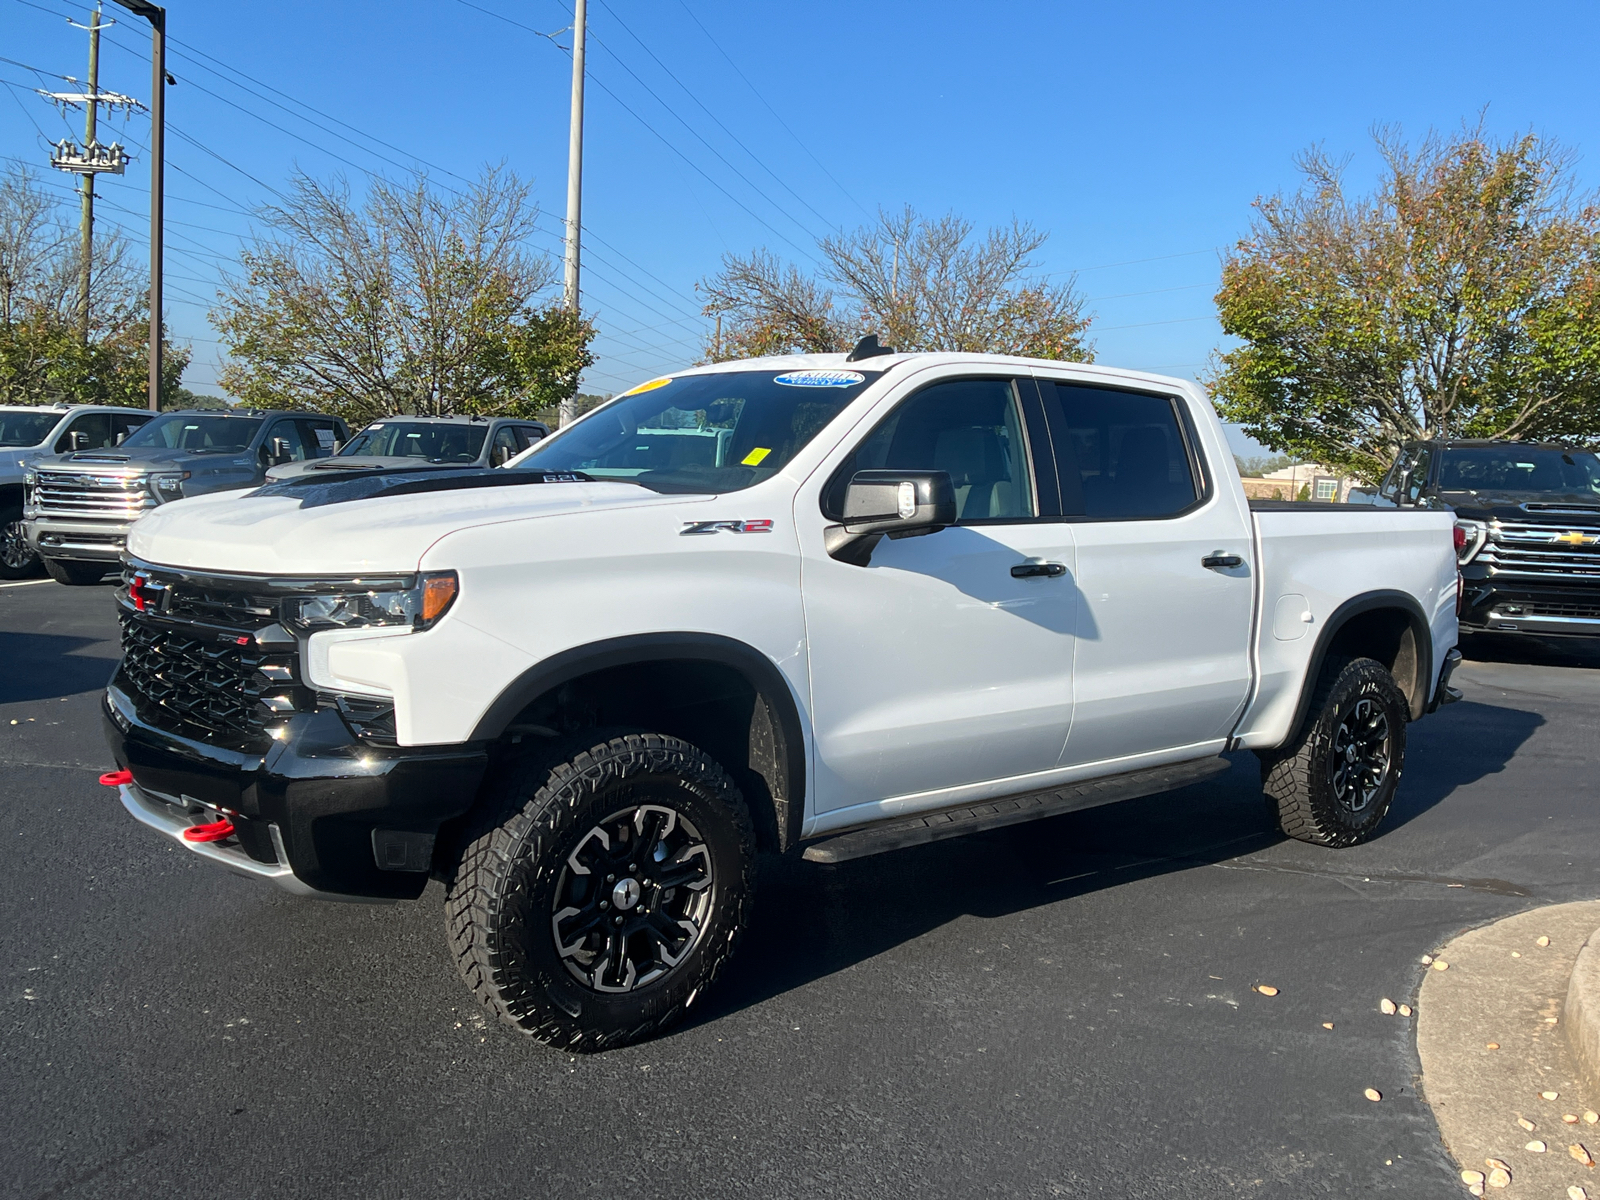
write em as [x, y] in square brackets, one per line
[1136, 134]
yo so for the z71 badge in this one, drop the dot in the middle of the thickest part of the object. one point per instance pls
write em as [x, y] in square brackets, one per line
[734, 526]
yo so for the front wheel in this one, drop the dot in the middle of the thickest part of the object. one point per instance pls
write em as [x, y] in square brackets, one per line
[597, 898]
[17, 559]
[75, 574]
[1333, 782]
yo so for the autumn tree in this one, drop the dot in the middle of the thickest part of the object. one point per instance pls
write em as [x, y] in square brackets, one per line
[1458, 299]
[919, 283]
[408, 301]
[44, 358]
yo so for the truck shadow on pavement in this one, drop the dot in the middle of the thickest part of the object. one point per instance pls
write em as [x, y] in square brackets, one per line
[43, 666]
[813, 920]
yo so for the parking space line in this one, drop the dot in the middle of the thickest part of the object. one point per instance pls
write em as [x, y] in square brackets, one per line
[26, 583]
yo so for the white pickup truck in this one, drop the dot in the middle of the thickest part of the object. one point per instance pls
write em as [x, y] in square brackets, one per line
[826, 605]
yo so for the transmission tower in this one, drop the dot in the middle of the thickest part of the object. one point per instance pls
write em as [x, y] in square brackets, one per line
[91, 158]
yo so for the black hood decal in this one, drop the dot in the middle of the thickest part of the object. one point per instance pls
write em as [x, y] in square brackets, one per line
[315, 492]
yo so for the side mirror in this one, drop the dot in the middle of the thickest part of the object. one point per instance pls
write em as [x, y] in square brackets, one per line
[280, 451]
[897, 503]
[499, 456]
[78, 440]
[122, 437]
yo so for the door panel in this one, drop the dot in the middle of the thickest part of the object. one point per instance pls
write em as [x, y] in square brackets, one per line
[1162, 655]
[934, 666]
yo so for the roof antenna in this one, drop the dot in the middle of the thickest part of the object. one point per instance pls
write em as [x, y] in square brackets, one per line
[868, 347]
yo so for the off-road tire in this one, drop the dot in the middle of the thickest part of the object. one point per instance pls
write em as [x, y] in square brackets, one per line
[75, 574]
[17, 559]
[1298, 778]
[535, 811]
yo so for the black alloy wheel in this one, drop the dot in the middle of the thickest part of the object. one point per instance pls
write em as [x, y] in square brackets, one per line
[1359, 758]
[633, 898]
[600, 886]
[1333, 781]
[17, 559]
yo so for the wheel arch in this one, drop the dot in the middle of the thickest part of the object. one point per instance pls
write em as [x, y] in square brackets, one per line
[704, 687]
[1385, 625]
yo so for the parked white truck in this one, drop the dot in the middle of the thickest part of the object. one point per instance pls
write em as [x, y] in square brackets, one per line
[828, 605]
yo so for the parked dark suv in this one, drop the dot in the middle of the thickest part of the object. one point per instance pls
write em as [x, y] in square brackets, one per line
[78, 507]
[1527, 533]
[426, 443]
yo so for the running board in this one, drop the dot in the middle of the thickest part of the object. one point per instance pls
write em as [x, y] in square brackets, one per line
[1013, 810]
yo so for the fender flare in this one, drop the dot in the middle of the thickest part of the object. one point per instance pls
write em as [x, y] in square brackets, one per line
[1422, 633]
[769, 684]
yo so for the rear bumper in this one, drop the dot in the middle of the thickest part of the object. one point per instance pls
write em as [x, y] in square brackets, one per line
[81, 540]
[319, 812]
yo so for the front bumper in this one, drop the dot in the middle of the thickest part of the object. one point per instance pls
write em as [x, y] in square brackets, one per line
[83, 540]
[319, 812]
[1497, 605]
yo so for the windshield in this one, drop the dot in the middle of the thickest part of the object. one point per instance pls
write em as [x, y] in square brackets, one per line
[1519, 469]
[701, 433]
[26, 428]
[184, 431]
[420, 439]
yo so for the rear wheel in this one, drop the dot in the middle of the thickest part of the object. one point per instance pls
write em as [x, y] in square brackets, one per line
[17, 559]
[598, 897]
[1333, 783]
[74, 573]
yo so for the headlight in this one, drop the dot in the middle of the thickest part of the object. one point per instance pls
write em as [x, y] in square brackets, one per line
[1470, 537]
[353, 605]
[168, 486]
[30, 497]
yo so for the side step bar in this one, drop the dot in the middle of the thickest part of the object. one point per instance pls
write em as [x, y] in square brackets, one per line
[1013, 810]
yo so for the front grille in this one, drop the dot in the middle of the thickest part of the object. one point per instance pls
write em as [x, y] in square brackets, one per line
[1589, 612]
[1523, 549]
[95, 496]
[195, 662]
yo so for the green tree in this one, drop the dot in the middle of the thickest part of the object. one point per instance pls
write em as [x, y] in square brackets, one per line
[408, 302]
[1460, 299]
[919, 283]
[43, 357]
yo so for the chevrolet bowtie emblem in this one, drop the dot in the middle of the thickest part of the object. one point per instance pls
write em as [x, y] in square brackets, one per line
[1576, 537]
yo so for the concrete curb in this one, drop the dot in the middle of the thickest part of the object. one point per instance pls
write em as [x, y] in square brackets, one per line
[1582, 1012]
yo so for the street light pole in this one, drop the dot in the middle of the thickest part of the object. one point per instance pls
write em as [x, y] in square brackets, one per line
[157, 16]
[569, 295]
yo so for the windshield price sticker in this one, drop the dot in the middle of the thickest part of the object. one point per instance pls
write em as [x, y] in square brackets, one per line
[820, 379]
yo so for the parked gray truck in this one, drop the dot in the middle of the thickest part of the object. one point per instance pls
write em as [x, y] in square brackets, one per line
[29, 433]
[77, 507]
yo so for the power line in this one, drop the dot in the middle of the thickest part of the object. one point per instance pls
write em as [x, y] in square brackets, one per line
[710, 114]
[770, 109]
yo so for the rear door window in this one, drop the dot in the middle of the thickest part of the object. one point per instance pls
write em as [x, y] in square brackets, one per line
[318, 436]
[1120, 455]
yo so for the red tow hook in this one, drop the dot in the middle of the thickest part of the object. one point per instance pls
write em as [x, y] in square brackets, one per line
[214, 832]
[116, 778]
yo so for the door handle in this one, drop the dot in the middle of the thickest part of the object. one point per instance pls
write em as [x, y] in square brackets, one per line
[1033, 570]
[1217, 559]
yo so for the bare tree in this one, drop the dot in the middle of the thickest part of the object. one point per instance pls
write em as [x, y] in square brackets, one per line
[919, 283]
[410, 301]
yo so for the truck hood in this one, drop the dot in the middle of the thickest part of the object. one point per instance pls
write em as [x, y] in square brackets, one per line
[1552, 508]
[330, 467]
[142, 459]
[280, 530]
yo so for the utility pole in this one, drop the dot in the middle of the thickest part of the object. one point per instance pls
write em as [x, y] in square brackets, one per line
[569, 405]
[157, 16]
[92, 107]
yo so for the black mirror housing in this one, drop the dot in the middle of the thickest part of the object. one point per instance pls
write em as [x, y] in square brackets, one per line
[897, 503]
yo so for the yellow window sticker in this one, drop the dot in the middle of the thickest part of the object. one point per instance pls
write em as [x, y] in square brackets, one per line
[753, 459]
[649, 387]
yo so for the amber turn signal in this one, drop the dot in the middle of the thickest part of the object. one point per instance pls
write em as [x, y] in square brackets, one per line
[438, 594]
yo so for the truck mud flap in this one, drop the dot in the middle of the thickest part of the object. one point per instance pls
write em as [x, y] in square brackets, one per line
[1013, 810]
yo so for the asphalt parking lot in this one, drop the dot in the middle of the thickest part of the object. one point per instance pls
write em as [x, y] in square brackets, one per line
[1062, 1009]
